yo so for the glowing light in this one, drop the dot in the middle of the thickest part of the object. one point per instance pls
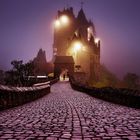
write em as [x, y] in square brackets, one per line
[88, 29]
[77, 46]
[84, 48]
[97, 40]
[41, 76]
[57, 23]
[90, 33]
[64, 19]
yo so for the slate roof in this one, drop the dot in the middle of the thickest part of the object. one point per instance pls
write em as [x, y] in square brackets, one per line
[64, 60]
[81, 17]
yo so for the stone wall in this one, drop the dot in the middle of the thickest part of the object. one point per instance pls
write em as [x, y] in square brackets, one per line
[127, 97]
[14, 96]
[80, 77]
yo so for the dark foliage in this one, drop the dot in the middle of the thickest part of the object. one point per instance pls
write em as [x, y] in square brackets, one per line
[17, 76]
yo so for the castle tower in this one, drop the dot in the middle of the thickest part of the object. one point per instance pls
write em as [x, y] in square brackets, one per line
[63, 31]
[76, 37]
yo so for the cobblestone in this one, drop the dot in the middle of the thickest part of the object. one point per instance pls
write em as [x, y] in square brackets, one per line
[67, 114]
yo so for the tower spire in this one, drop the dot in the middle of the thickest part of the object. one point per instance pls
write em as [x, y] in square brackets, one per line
[82, 3]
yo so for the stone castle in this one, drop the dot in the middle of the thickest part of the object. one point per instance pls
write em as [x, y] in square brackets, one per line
[41, 66]
[75, 45]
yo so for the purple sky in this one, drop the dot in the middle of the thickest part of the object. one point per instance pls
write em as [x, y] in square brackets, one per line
[27, 25]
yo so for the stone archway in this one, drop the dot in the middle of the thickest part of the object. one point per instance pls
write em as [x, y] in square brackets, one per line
[63, 65]
[64, 75]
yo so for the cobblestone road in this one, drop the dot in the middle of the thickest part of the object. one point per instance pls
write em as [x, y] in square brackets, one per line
[68, 114]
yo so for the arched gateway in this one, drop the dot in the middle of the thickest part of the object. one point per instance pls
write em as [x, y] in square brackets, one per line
[64, 66]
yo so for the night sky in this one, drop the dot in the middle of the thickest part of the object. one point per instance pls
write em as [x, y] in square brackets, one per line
[27, 25]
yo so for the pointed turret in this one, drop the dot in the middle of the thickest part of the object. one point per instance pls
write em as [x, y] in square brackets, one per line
[81, 18]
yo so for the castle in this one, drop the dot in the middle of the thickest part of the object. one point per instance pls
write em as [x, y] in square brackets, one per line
[75, 45]
[41, 66]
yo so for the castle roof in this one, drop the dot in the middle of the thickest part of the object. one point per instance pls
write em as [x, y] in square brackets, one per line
[64, 60]
[67, 11]
[81, 17]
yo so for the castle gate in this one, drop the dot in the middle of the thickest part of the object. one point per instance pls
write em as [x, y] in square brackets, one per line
[63, 65]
